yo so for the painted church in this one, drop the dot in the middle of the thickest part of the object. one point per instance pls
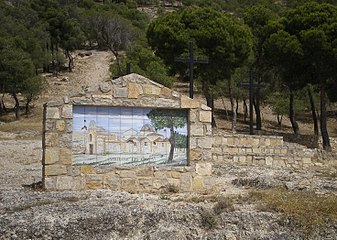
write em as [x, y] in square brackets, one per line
[144, 141]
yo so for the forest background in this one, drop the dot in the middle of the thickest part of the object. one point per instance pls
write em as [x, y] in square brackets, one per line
[289, 47]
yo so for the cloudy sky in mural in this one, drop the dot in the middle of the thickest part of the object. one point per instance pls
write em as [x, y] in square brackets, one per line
[115, 119]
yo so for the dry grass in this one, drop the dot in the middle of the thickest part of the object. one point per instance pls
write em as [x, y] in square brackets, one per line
[208, 219]
[307, 208]
[24, 124]
[223, 204]
[172, 188]
[20, 208]
[23, 129]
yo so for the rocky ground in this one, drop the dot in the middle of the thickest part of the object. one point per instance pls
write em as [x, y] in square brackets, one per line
[27, 212]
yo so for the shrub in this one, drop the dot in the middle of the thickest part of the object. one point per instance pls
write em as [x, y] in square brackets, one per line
[223, 204]
[307, 208]
[208, 219]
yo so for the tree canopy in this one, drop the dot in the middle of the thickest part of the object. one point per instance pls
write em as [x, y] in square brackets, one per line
[221, 38]
[305, 50]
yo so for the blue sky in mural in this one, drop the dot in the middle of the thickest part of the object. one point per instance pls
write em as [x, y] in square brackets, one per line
[114, 119]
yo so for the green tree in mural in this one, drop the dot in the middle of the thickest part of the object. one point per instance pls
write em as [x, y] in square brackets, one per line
[166, 118]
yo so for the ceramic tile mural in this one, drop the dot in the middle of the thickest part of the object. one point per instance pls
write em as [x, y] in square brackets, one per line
[129, 136]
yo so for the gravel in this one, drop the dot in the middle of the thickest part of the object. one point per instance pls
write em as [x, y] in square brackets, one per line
[105, 214]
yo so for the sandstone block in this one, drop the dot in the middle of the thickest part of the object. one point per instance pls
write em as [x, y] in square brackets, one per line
[230, 140]
[120, 93]
[164, 102]
[66, 99]
[187, 102]
[195, 155]
[196, 130]
[276, 142]
[134, 90]
[65, 140]
[87, 169]
[306, 160]
[51, 139]
[193, 115]
[74, 171]
[279, 163]
[92, 89]
[174, 182]
[205, 142]
[102, 98]
[55, 170]
[60, 125]
[78, 183]
[198, 183]
[65, 156]
[166, 92]
[49, 183]
[186, 182]
[51, 155]
[67, 111]
[126, 174]
[151, 90]
[129, 184]
[112, 181]
[146, 182]
[209, 182]
[64, 183]
[105, 87]
[242, 159]
[53, 113]
[205, 107]
[161, 175]
[69, 126]
[55, 103]
[193, 143]
[144, 171]
[175, 175]
[94, 177]
[49, 125]
[176, 94]
[205, 116]
[203, 169]
[94, 185]
[269, 161]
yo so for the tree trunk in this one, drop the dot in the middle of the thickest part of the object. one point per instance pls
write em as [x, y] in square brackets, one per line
[258, 110]
[245, 111]
[172, 142]
[231, 99]
[237, 106]
[17, 106]
[313, 110]
[209, 99]
[70, 61]
[292, 118]
[28, 101]
[279, 120]
[323, 120]
[224, 105]
[3, 103]
[118, 61]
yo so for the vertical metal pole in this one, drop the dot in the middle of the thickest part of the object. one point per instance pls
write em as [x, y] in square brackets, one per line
[190, 49]
[251, 97]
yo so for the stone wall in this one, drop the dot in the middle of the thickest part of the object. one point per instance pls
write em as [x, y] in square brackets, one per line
[130, 91]
[259, 150]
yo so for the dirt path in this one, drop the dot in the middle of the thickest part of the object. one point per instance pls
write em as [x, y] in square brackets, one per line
[91, 68]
